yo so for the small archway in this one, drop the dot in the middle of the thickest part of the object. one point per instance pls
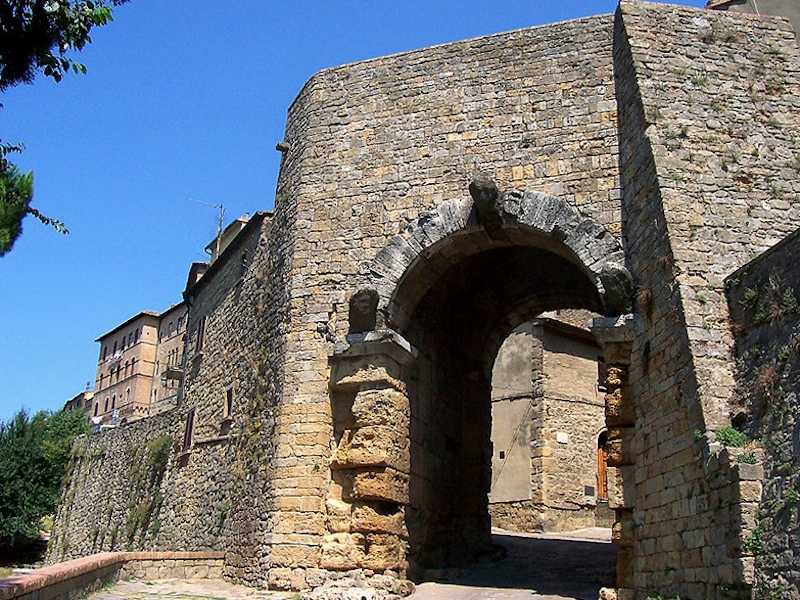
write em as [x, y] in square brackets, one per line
[411, 397]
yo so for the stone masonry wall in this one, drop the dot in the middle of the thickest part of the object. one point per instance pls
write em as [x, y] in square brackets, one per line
[764, 299]
[237, 304]
[375, 143]
[680, 135]
[125, 490]
[720, 93]
[701, 149]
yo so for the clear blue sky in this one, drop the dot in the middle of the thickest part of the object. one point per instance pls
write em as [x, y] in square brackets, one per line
[183, 103]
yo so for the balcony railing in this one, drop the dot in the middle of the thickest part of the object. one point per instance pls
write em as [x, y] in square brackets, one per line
[172, 372]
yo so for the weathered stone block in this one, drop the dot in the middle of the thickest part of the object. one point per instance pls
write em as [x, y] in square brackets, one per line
[289, 555]
[621, 446]
[620, 410]
[384, 552]
[338, 515]
[386, 484]
[342, 551]
[373, 445]
[280, 579]
[386, 407]
[369, 518]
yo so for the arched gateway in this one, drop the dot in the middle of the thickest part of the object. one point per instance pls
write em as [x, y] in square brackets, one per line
[410, 392]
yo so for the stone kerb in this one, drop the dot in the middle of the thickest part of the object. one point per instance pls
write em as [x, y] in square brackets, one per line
[71, 578]
[521, 216]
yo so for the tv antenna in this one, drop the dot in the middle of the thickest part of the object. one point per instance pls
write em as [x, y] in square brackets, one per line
[220, 223]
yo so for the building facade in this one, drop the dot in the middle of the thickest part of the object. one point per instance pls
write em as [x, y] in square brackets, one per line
[125, 368]
[549, 471]
[336, 424]
[81, 401]
[168, 373]
[139, 368]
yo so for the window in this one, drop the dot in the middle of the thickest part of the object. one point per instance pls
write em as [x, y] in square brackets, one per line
[227, 410]
[114, 351]
[100, 387]
[188, 433]
[133, 366]
[201, 334]
[96, 408]
[180, 324]
[127, 366]
[105, 352]
[106, 406]
[113, 402]
[127, 396]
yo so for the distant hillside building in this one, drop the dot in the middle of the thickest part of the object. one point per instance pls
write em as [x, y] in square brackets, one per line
[81, 401]
[169, 358]
[133, 357]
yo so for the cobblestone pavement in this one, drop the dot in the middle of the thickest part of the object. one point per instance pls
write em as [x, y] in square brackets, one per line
[572, 566]
[170, 589]
[569, 566]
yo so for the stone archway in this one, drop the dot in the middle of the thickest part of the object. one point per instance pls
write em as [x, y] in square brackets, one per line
[411, 470]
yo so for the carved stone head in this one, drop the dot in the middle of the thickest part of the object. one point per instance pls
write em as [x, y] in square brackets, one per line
[363, 311]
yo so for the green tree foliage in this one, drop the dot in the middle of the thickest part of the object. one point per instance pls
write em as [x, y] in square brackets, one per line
[34, 453]
[38, 36]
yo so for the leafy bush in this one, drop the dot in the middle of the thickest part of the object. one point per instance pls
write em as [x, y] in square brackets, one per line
[731, 437]
[748, 458]
[34, 454]
[158, 450]
[754, 544]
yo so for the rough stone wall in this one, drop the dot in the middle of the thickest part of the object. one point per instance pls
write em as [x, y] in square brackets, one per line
[705, 140]
[784, 8]
[212, 494]
[374, 143]
[125, 490]
[764, 298]
[720, 93]
[237, 302]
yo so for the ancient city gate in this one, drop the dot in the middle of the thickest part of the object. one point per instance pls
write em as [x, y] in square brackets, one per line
[411, 392]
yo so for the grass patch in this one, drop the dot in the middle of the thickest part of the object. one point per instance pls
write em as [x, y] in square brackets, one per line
[728, 436]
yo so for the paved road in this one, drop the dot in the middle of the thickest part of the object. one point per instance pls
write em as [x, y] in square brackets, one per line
[171, 589]
[535, 567]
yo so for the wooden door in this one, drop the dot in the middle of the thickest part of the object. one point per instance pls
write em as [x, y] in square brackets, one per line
[602, 475]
